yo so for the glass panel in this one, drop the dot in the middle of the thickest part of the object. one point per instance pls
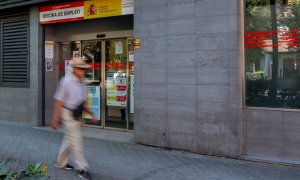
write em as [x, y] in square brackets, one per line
[91, 50]
[272, 53]
[66, 50]
[116, 83]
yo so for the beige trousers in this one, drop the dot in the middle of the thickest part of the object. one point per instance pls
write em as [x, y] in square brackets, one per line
[72, 142]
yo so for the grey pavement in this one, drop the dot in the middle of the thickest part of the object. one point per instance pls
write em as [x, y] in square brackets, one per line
[114, 159]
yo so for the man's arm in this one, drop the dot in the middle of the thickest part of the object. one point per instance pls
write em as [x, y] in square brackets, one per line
[56, 114]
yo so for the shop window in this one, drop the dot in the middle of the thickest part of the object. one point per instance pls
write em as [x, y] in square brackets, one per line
[14, 52]
[272, 53]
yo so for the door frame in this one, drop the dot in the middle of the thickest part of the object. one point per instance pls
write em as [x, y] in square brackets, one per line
[124, 34]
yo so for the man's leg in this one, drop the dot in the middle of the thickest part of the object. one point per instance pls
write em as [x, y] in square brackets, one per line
[73, 138]
[64, 153]
[77, 147]
[65, 148]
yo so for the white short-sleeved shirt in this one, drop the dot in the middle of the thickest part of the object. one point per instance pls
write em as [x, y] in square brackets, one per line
[71, 91]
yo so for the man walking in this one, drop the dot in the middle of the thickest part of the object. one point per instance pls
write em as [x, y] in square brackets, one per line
[70, 97]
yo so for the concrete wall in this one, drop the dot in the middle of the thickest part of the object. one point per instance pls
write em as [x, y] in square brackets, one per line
[51, 77]
[188, 75]
[23, 105]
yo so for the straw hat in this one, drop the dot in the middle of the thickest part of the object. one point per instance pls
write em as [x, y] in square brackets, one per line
[79, 63]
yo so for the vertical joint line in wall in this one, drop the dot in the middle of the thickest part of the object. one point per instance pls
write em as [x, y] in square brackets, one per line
[228, 9]
[228, 75]
[242, 21]
[196, 133]
[197, 123]
[166, 66]
[228, 49]
[243, 68]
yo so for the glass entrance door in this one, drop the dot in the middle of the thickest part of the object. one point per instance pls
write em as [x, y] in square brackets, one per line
[109, 81]
[116, 78]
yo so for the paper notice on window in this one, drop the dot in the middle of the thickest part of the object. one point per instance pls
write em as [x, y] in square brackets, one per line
[49, 49]
[119, 47]
[127, 7]
[93, 102]
[76, 54]
[131, 56]
[68, 67]
[49, 65]
[116, 91]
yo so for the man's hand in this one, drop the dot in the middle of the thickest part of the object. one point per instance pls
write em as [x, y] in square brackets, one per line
[56, 115]
[55, 124]
[94, 119]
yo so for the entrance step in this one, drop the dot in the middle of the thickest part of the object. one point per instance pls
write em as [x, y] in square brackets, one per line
[103, 134]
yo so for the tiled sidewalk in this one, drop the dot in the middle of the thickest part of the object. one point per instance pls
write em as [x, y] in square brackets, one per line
[119, 160]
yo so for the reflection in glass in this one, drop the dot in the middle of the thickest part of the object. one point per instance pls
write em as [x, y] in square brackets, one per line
[272, 53]
[91, 50]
